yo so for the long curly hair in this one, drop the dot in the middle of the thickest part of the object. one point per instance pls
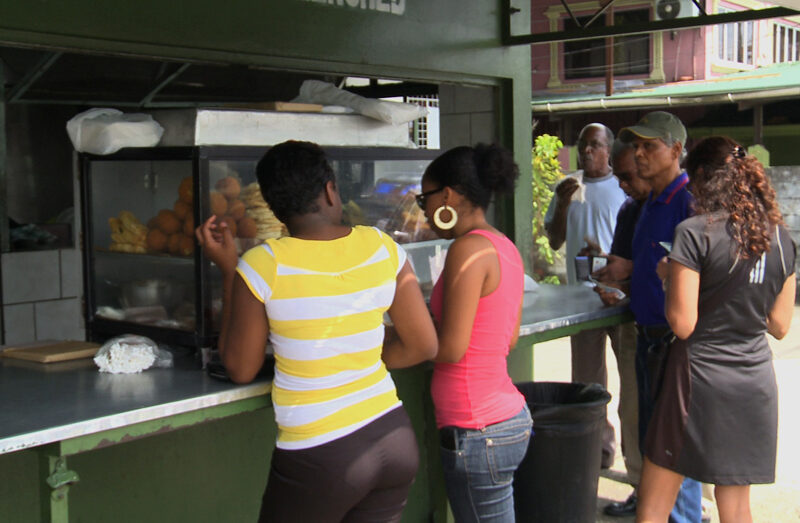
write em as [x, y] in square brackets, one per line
[725, 179]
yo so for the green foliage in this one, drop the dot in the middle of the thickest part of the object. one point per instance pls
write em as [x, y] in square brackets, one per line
[546, 172]
[551, 279]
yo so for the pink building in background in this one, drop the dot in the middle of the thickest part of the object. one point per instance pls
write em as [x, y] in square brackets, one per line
[693, 54]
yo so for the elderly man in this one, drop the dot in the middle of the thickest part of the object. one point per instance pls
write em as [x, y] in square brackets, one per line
[585, 206]
[658, 140]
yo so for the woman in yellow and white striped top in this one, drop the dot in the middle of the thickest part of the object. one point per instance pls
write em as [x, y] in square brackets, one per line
[319, 297]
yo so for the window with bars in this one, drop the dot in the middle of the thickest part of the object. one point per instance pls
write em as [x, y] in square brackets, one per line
[785, 43]
[735, 41]
[420, 129]
[587, 58]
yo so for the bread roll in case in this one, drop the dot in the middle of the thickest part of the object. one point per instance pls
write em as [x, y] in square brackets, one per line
[218, 203]
[229, 187]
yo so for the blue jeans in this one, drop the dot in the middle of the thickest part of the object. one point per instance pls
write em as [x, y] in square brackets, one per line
[688, 507]
[479, 468]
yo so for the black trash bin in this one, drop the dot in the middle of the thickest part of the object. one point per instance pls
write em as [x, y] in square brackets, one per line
[557, 480]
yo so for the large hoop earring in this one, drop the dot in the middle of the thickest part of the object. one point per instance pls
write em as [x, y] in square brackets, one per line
[437, 218]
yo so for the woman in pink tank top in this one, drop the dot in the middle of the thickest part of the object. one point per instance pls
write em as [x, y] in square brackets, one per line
[483, 420]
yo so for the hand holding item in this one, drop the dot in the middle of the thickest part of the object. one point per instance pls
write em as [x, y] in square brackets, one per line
[609, 293]
[607, 296]
[566, 189]
[218, 245]
[616, 269]
[592, 248]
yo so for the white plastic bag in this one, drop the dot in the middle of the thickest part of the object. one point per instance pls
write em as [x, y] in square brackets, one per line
[106, 131]
[129, 353]
[315, 91]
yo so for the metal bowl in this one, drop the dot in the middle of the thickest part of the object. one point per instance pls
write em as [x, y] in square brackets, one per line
[151, 292]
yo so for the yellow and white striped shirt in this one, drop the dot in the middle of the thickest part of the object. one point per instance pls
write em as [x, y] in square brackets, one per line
[325, 302]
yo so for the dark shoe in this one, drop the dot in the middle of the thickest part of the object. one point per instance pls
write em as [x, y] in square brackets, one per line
[619, 509]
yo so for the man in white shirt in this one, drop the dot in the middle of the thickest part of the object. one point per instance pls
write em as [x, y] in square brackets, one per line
[584, 207]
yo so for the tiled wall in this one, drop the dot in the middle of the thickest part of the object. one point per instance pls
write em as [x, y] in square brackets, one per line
[42, 296]
[467, 115]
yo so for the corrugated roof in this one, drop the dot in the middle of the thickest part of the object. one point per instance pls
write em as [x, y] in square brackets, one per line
[764, 83]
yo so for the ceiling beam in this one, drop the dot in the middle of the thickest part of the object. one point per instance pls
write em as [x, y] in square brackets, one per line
[147, 100]
[35, 72]
[394, 89]
[645, 27]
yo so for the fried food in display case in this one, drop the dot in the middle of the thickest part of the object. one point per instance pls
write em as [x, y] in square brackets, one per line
[128, 234]
[260, 216]
[407, 223]
[171, 231]
[141, 207]
[353, 214]
[390, 205]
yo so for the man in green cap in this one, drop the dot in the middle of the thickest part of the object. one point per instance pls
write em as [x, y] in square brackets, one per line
[658, 140]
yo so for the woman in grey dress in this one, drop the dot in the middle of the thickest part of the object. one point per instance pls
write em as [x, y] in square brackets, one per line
[730, 280]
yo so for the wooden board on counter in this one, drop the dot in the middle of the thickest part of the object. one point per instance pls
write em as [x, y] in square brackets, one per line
[291, 107]
[51, 351]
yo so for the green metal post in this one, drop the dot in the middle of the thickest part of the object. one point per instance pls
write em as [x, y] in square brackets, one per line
[54, 482]
[520, 363]
[4, 242]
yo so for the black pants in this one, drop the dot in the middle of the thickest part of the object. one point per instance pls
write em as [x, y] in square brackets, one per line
[362, 477]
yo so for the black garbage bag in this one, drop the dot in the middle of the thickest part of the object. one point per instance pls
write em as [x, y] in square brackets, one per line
[557, 480]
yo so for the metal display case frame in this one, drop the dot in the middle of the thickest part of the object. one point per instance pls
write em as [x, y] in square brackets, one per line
[204, 334]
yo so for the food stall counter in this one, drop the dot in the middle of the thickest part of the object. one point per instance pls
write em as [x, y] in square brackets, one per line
[56, 416]
[70, 410]
[554, 311]
[59, 402]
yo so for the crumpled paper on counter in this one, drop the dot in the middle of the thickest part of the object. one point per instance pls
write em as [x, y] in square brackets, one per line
[128, 354]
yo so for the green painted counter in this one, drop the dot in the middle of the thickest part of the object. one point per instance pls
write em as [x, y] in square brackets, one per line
[173, 445]
[165, 445]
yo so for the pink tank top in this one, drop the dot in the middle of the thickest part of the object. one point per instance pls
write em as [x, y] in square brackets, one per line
[477, 391]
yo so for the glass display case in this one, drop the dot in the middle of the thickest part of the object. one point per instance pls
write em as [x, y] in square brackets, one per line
[142, 271]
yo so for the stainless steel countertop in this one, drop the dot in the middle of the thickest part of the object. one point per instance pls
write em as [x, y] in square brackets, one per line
[45, 403]
[550, 307]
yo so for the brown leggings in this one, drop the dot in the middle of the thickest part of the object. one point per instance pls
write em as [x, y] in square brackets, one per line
[362, 477]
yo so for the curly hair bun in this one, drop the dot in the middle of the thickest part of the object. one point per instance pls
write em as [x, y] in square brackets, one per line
[496, 168]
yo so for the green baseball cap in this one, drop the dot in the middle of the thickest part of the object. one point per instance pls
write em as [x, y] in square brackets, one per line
[658, 124]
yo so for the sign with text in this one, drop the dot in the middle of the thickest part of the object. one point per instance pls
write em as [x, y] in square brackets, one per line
[395, 7]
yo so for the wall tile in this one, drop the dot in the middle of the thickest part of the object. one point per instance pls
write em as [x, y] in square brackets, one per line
[447, 98]
[482, 128]
[31, 276]
[455, 131]
[474, 99]
[71, 274]
[59, 320]
[18, 323]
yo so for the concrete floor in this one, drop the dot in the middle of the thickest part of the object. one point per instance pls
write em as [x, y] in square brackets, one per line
[779, 502]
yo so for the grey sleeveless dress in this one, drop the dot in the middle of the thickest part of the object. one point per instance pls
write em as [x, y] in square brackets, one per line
[716, 415]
